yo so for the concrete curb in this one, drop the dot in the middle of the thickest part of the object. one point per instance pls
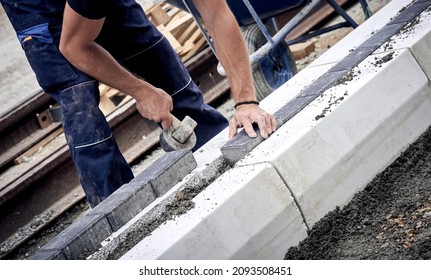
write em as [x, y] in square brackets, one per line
[362, 111]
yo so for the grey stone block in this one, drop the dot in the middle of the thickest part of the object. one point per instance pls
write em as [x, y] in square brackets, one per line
[323, 83]
[236, 148]
[132, 198]
[48, 254]
[382, 36]
[292, 108]
[85, 235]
[89, 232]
[354, 58]
[410, 12]
[168, 170]
[125, 203]
[239, 146]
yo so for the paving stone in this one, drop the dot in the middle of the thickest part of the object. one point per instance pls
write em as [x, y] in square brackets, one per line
[48, 254]
[382, 36]
[354, 58]
[125, 203]
[323, 83]
[411, 12]
[168, 170]
[237, 147]
[294, 106]
[85, 235]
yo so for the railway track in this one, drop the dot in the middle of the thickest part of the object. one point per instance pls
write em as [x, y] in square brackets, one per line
[38, 181]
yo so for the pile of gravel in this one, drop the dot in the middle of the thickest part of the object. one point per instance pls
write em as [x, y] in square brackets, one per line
[389, 219]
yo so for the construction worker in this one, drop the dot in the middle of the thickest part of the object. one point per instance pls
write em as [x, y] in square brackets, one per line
[75, 44]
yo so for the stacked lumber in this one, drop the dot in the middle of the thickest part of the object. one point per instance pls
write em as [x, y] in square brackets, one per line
[179, 28]
[111, 99]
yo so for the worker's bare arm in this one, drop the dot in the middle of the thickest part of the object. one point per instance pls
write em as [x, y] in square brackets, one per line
[78, 45]
[232, 52]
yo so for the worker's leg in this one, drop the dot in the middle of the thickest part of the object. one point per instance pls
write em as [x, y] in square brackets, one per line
[101, 167]
[143, 50]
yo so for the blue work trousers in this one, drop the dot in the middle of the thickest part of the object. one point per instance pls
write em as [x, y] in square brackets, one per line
[134, 42]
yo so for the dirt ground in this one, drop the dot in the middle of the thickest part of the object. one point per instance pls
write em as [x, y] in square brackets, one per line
[389, 219]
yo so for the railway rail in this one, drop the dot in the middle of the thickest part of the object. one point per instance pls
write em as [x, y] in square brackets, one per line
[38, 181]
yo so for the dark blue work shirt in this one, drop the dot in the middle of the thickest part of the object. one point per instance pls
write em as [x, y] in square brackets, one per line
[92, 9]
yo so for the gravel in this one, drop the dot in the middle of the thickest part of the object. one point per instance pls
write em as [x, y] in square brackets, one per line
[389, 219]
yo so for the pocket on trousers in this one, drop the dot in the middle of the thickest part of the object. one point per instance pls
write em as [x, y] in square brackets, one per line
[49, 65]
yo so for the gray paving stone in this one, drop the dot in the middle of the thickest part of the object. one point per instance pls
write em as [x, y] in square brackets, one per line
[292, 108]
[236, 148]
[168, 170]
[323, 83]
[382, 36]
[239, 146]
[411, 12]
[48, 254]
[125, 203]
[354, 58]
[85, 235]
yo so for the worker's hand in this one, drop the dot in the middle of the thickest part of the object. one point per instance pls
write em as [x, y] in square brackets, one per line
[156, 105]
[248, 114]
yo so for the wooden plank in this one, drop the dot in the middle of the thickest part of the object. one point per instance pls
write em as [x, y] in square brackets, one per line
[197, 46]
[125, 100]
[111, 92]
[30, 152]
[187, 33]
[175, 44]
[175, 23]
[172, 11]
[159, 16]
[323, 11]
[301, 50]
[103, 88]
[106, 105]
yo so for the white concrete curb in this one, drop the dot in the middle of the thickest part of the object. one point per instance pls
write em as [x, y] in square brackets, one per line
[316, 161]
[230, 220]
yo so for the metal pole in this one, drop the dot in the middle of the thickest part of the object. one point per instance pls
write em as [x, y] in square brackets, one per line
[277, 38]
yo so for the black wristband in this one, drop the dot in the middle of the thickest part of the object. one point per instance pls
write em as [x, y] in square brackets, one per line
[245, 102]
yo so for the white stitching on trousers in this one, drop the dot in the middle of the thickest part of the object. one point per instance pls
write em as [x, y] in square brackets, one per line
[92, 144]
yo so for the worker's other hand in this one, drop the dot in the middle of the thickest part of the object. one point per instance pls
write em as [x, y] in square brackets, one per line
[156, 105]
[248, 114]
